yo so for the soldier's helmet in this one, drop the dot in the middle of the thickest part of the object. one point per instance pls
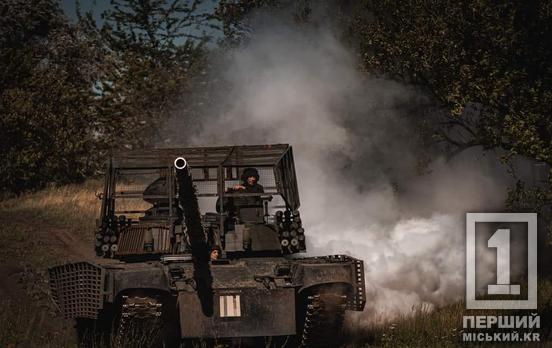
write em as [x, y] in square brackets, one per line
[247, 172]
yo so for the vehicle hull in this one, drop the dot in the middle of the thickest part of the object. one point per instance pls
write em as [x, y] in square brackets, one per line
[243, 298]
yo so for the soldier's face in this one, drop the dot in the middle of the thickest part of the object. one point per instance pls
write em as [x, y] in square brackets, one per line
[251, 180]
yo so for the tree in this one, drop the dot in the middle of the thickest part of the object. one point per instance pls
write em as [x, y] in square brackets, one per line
[47, 69]
[235, 15]
[73, 93]
[486, 65]
[495, 57]
[157, 51]
[158, 30]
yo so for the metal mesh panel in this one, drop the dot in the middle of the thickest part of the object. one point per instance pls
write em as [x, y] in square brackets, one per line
[242, 156]
[133, 191]
[133, 208]
[206, 187]
[213, 173]
[286, 180]
[199, 174]
[231, 183]
[77, 289]
[137, 180]
[266, 178]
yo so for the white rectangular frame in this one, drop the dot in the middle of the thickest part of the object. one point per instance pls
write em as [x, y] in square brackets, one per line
[531, 220]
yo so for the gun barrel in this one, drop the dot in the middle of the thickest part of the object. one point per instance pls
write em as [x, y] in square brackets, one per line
[192, 217]
[188, 201]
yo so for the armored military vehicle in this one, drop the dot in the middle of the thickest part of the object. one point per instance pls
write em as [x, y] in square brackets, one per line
[163, 213]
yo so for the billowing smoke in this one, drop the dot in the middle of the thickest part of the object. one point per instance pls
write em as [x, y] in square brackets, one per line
[355, 150]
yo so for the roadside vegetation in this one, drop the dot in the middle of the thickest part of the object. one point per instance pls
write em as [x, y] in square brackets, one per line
[442, 327]
[40, 230]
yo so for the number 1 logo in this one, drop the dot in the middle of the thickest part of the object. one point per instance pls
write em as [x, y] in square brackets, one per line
[501, 241]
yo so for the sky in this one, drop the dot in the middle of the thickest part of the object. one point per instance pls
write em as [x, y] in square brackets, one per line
[98, 6]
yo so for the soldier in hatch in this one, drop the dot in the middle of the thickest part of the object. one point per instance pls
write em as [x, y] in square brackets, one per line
[250, 182]
[216, 252]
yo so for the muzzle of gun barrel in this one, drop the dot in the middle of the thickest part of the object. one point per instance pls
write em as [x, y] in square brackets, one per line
[180, 163]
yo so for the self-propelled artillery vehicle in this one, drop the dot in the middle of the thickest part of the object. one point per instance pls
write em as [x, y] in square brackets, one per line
[164, 211]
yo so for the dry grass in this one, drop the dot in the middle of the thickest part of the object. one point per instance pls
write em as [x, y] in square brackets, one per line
[33, 324]
[43, 228]
[37, 231]
[71, 205]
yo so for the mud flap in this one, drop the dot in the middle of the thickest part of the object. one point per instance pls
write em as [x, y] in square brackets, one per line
[239, 313]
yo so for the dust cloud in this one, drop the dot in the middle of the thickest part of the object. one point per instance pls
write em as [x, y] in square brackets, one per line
[356, 154]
